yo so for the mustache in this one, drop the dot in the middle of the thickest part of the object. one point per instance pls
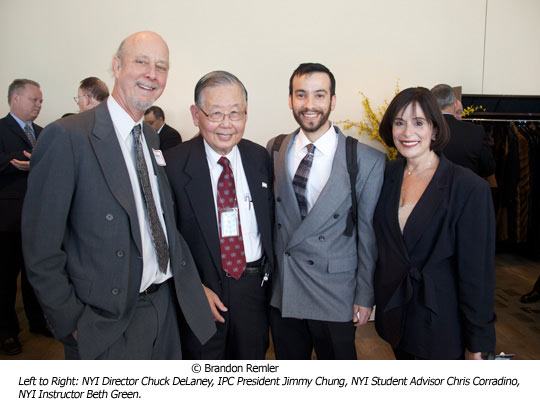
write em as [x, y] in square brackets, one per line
[146, 84]
[305, 110]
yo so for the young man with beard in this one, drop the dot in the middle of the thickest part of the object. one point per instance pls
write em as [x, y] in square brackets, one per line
[323, 286]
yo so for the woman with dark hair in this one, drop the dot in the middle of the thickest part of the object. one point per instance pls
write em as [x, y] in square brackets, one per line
[435, 229]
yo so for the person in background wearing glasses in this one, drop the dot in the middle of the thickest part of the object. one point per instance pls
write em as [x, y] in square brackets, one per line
[222, 186]
[18, 134]
[92, 91]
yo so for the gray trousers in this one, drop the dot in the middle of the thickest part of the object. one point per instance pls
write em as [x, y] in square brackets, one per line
[152, 333]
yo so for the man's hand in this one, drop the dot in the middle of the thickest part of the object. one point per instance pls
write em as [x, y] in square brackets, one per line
[215, 304]
[360, 315]
[472, 356]
[20, 164]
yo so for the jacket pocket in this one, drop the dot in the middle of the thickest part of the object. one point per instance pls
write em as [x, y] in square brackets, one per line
[342, 264]
[83, 288]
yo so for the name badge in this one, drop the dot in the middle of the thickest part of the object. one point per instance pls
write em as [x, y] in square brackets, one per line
[229, 222]
[160, 160]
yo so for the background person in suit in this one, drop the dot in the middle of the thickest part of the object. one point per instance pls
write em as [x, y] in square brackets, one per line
[99, 235]
[92, 91]
[223, 195]
[18, 135]
[324, 279]
[168, 136]
[435, 276]
[468, 145]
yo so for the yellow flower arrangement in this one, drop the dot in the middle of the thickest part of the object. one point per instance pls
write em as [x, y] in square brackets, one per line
[467, 111]
[369, 125]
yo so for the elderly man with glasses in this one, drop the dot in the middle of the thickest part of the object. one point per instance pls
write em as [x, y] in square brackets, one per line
[92, 91]
[223, 196]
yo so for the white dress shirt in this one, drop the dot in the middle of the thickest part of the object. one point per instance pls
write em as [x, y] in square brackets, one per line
[323, 157]
[248, 221]
[123, 124]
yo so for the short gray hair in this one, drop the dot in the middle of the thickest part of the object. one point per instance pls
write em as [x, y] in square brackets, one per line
[19, 84]
[444, 94]
[217, 78]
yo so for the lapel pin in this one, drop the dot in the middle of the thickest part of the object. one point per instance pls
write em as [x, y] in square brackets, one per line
[264, 185]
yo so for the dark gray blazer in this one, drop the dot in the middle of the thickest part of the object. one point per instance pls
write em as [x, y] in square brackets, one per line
[320, 272]
[81, 237]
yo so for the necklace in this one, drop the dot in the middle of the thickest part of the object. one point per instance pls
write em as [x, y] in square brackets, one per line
[418, 170]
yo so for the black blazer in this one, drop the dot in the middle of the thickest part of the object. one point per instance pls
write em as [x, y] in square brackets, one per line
[168, 137]
[13, 141]
[189, 177]
[468, 147]
[434, 284]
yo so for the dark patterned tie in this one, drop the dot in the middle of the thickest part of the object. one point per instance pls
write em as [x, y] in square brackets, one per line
[29, 132]
[158, 236]
[300, 180]
[233, 256]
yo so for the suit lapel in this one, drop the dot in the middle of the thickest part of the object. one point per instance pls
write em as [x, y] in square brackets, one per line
[334, 193]
[16, 129]
[284, 189]
[113, 166]
[199, 192]
[392, 207]
[428, 204]
[152, 141]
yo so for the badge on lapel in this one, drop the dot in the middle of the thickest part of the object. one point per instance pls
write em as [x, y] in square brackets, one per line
[158, 155]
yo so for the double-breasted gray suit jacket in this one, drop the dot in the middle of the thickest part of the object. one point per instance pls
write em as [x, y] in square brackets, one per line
[321, 272]
[81, 237]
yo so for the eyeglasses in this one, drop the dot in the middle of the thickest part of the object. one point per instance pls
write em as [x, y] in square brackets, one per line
[218, 116]
[76, 99]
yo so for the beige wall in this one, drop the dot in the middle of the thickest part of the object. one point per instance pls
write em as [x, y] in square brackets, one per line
[368, 45]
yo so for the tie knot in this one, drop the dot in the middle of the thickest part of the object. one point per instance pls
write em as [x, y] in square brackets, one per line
[28, 127]
[224, 162]
[310, 148]
[136, 131]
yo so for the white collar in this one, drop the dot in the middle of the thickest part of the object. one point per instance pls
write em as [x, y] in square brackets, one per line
[213, 157]
[325, 144]
[122, 121]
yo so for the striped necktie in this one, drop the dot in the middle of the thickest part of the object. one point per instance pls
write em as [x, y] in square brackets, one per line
[300, 180]
[29, 132]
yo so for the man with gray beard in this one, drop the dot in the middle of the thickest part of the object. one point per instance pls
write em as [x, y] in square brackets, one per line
[99, 235]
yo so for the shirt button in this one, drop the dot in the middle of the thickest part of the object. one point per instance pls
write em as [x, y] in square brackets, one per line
[322, 238]
[115, 291]
[336, 216]
[109, 217]
[119, 254]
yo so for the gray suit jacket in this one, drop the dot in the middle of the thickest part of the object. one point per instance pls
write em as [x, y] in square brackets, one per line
[81, 237]
[321, 272]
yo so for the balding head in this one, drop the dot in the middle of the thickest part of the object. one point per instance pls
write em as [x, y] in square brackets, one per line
[140, 67]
